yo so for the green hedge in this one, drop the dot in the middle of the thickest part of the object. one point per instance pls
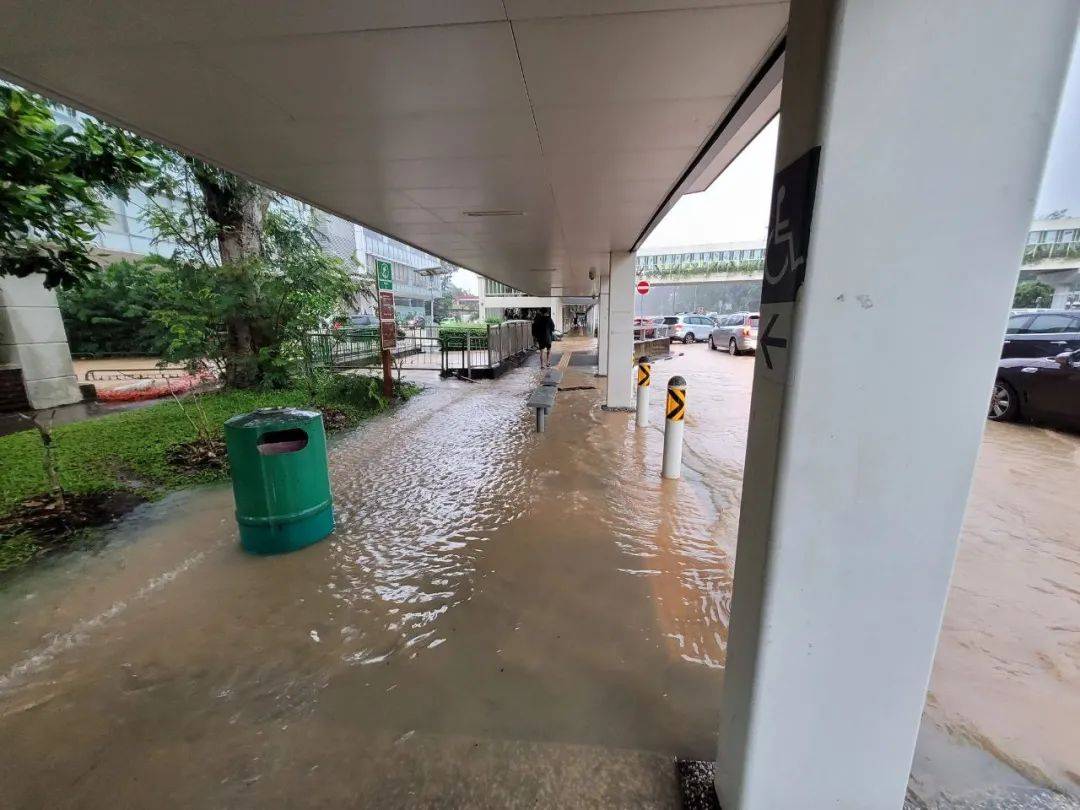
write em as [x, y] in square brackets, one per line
[452, 335]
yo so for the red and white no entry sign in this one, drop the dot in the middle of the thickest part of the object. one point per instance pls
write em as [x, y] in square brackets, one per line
[643, 287]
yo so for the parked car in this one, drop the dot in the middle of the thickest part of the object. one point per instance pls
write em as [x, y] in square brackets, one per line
[1043, 333]
[1042, 388]
[644, 328]
[736, 332]
[688, 328]
[364, 326]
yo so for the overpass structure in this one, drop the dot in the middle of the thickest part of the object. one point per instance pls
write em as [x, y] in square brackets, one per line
[538, 142]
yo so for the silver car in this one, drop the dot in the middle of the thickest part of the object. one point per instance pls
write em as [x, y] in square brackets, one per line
[737, 333]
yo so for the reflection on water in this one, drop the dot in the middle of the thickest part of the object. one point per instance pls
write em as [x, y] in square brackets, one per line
[493, 603]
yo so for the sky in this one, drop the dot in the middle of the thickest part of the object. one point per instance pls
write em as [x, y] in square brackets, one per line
[735, 208]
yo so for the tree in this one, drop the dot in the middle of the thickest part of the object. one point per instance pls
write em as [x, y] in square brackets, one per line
[53, 184]
[1030, 294]
[250, 275]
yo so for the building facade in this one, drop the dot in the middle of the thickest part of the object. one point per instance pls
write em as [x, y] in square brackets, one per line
[710, 253]
[1052, 256]
[419, 278]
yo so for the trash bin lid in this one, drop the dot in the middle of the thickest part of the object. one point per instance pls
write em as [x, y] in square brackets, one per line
[271, 417]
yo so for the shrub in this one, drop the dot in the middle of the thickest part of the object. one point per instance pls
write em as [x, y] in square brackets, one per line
[456, 335]
[109, 312]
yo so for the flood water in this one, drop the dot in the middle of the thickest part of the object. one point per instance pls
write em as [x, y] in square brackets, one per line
[501, 618]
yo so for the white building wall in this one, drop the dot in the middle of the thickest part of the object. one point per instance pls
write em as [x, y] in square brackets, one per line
[32, 337]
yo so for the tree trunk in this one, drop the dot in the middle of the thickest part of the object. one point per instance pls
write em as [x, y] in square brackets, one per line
[237, 207]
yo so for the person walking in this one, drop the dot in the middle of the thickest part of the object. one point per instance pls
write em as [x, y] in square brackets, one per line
[543, 332]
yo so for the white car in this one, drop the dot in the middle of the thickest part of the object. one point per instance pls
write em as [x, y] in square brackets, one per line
[688, 328]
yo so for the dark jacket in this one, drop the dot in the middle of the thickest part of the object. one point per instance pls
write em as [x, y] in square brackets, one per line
[543, 329]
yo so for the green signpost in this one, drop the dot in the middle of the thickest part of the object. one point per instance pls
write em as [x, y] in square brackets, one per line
[384, 275]
[384, 281]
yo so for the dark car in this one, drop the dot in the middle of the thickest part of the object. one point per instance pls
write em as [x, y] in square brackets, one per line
[1046, 389]
[361, 326]
[1043, 333]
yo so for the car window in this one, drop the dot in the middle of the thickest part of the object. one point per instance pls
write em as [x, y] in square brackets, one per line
[1051, 323]
[1017, 324]
[670, 319]
[753, 321]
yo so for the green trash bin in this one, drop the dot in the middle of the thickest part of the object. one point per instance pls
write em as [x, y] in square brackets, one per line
[281, 482]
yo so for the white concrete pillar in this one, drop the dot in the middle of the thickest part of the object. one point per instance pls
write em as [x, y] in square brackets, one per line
[32, 337]
[557, 308]
[620, 331]
[933, 121]
[602, 326]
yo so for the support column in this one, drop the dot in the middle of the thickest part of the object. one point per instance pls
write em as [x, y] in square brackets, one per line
[556, 309]
[32, 338]
[620, 330]
[602, 326]
[933, 121]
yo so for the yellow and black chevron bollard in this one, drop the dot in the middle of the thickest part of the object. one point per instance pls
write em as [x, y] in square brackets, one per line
[644, 377]
[675, 409]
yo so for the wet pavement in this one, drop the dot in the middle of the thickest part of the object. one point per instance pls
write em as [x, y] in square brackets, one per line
[500, 619]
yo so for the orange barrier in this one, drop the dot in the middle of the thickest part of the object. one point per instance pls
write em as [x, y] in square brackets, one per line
[154, 389]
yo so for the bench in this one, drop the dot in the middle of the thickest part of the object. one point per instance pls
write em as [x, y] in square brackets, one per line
[552, 377]
[543, 401]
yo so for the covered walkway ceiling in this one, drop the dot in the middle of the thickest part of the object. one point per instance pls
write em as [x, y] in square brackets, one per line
[577, 118]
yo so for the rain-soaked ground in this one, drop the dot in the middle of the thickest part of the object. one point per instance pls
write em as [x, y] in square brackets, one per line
[501, 618]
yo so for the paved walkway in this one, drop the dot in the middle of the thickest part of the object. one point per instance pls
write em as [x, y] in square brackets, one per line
[500, 619]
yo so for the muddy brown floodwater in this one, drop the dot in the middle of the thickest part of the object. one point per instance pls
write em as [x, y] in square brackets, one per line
[500, 619]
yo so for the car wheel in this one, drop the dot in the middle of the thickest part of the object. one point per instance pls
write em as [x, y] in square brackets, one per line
[689, 338]
[1004, 402]
[712, 345]
[733, 348]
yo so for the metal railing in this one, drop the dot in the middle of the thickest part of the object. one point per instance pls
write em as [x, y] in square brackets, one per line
[1051, 250]
[460, 350]
[341, 349]
[107, 374]
[470, 351]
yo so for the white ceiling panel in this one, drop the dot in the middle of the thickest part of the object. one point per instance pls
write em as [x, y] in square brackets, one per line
[393, 72]
[581, 114]
[71, 23]
[531, 9]
[695, 54]
[637, 126]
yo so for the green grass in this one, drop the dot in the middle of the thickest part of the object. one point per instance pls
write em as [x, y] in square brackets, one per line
[128, 450]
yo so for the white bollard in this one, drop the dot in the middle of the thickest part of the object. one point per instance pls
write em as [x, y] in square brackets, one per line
[673, 427]
[644, 377]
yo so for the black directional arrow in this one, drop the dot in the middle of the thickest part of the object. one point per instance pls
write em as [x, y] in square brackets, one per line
[775, 342]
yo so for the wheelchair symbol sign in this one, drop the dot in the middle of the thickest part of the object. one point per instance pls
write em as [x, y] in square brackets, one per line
[789, 228]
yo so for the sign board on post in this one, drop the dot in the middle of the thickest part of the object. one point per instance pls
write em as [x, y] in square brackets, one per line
[643, 287]
[785, 259]
[384, 278]
[384, 275]
[388, 334]
[386, 305]
[384, 282]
